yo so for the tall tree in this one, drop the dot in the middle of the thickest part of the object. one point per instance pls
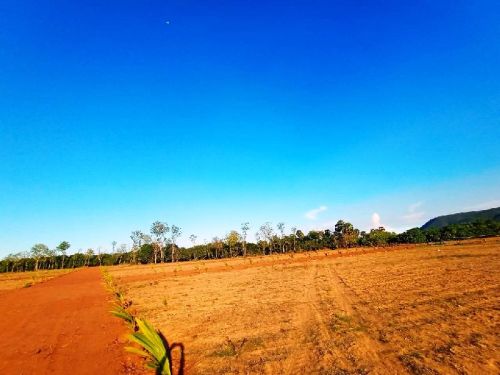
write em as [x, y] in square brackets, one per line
[294, 237]
[114, 245]
[232, 240]
[159, 232]
[175, 232]
[218, 245]
[245, 227]
[38, 251]
[281, 228]
[62, 248]
[137, 237]
[120, 251]
[266, 234]
[345, 234]
[193, 238]
[88, 255]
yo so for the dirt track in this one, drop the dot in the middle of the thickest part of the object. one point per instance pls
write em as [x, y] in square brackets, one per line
[61, 326]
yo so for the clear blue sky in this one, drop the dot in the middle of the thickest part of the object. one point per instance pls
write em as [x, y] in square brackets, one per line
[206, 114]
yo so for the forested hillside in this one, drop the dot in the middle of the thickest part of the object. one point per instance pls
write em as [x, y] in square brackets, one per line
[463, 218]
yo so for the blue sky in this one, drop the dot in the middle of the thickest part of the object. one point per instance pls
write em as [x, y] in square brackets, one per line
[206, 114]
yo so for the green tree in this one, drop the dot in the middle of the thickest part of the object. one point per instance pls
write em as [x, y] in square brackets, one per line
[345, 234]
[137, 237]
[38, 251]
[62, 248]
[88, 256]
[294, 237]
[232, 239]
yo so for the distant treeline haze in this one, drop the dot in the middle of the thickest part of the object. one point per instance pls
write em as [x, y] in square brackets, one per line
[160, 244]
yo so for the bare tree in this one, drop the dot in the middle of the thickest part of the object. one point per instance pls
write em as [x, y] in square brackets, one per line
[175, 232]
[281, 228]
[99, 255]
[266, 234]
[159, 231]
[193, 239]
[114, 245]
[245, 227]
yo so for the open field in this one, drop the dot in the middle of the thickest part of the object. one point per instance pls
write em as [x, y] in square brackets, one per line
[17, 280]
[411, 309]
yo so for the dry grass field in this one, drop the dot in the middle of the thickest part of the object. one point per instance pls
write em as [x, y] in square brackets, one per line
[18, 280]
[410, 309]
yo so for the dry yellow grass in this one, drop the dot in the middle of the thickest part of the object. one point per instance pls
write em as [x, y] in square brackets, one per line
[412, 309]
[15, 280]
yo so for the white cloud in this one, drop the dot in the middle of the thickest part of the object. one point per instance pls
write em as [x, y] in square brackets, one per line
[313, 214]
[376, 220]
[485, 205]
[414, 214]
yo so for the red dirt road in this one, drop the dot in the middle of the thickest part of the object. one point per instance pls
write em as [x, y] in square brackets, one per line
[61, 326]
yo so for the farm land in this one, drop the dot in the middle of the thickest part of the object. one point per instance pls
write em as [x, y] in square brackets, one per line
[417, 309]
[9, 281]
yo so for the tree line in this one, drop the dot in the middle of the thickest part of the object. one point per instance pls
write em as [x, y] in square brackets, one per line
[160, 244]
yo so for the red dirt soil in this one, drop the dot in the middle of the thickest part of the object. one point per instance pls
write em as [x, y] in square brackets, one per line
[62, 326]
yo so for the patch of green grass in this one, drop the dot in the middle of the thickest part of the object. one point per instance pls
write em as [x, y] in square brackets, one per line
[229, 348]
[341, 322]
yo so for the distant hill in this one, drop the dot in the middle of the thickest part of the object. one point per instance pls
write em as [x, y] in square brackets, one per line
[463, 217]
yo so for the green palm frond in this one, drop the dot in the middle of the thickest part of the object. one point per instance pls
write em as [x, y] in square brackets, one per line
[121, 313]
[139, 352]
[148, 338]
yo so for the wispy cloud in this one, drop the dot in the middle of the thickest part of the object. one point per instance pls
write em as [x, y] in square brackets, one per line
[485, 205]
[414, 212]
[313, 214]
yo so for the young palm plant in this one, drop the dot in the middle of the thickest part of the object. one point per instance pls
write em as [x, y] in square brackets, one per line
[151, 344]
[152, 347]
